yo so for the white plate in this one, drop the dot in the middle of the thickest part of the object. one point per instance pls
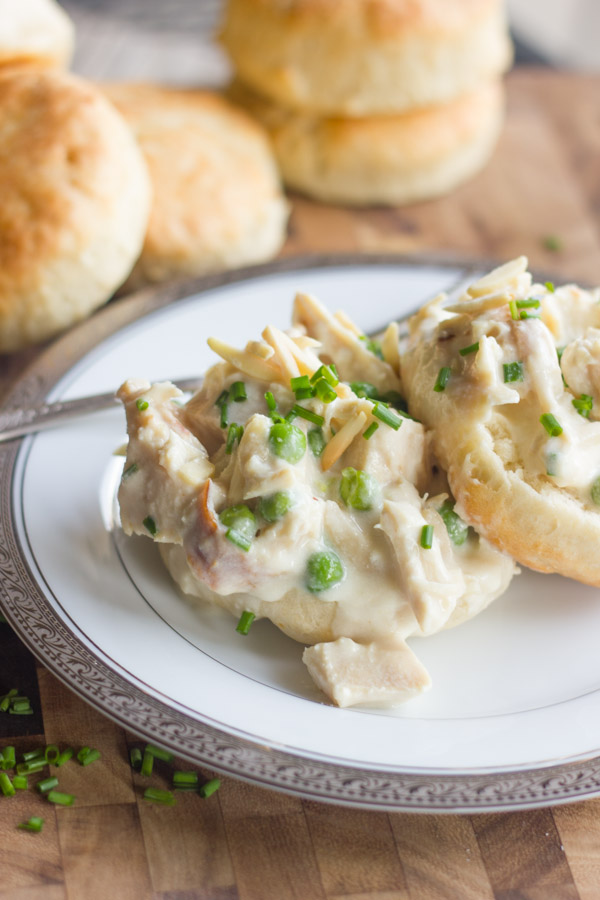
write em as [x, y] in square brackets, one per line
[513, 718]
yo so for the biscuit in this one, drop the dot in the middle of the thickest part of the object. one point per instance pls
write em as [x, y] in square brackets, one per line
[75, 199]
[383, 159]
[35, 32]
[515, 426]
[217, 196]
[365, 57]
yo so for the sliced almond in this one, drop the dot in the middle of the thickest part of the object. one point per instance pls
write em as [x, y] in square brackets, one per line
[342, 440]
[254, 366]
[504, 276]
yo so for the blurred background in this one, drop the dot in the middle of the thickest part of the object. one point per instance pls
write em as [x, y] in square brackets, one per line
[562, 33]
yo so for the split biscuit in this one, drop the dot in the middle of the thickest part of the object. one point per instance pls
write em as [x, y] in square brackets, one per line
[75, 200]
[218, 201]
[35, 32]
[507, 380]
[365, 57]
[383, 159]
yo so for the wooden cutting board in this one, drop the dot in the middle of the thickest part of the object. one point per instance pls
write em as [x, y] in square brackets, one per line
[252, 844]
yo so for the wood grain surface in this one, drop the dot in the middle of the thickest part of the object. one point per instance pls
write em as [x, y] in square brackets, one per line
[252, 844]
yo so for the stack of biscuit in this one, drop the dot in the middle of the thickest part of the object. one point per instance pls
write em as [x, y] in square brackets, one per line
[87, 208]
[372, 101]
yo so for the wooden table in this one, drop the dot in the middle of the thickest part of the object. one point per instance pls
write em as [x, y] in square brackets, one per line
[259, 845]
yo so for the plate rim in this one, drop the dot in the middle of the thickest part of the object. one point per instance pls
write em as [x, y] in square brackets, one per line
[126, 703]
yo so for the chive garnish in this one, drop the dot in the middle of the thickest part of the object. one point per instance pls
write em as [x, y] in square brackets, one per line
[6, 785]
[147, 764]
[316, 441]
[209, 788]
[63, 757]
[304, 393]
[234, 434]
[89, 757]
[159, 753]
[442, 379]
[6, 698]
[583, 404]
[20, 782]
[60, 798]
[373, 346]
[595, 491]
[328, 373]
[240, 522]
[238, 391]
[370, 431]
[324, 391]
[31, 767]
[549, 285]
[141, 404]
[8, 760]
[530, 303]
[552, 464]
[185, 780]
[46, 784]
[135, 758]
[238, 539]
[271, 403]
[427, 537]
[221, 404]
[51, 753]
[513, 372]
[551, 424]
[150, 525]
[523, 314]
[155, 795]
[458, 531]
[472, 348]
[514, 312]
[35, 823]
[308, 414]
[33, 754]
[245, 621]
[552, 243]
[301, 382]
[364, 389]
[387, 416]
[129, 471]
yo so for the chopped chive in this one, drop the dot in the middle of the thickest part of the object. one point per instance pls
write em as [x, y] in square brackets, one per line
[238, 539]
[523, 314]
[552, 243]
[387, 416]
[245, 621]
[31, 767]
[238, 392]
[5, 701]
[300, 383]
[551, 424]
[514, 312]
[513, 372]
[20, 782]
[150, 525]
[364, 389]
[34, 754]
[234, 434]
[324, 391]
[147, 764]
[327, 373]
[90, 757]
[472, 348]
[224, 416]
[46, 784]
[552, 464]
[427, 537]
[6, 785]
[304, 393]
[209, 788]
[530, 303]
[291, 415]
[159, 753]
[8, 759]
[373, 346]
[35, 823]
[583, 404]
[595, 491]
[129, 471]
[271, 402]
[155, 795]
[135, 757]
[370, 431]
[442, 379]
[308, 414]
[20, 705]
[51, 753]
[316, 441]
[81, 755]
[63, 757]
[559, 352]
[60, 798]
[141, 404]
[185, 780]
[549, 285]
[458, 531]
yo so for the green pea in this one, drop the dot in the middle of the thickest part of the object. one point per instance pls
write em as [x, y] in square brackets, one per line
[323, 571]
[458, 530]
[316, 441]
[287, 441]
[596, 491]
[275, 506]
[359, 489]
[239, 519]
